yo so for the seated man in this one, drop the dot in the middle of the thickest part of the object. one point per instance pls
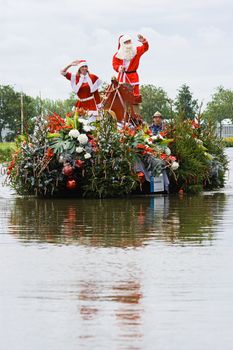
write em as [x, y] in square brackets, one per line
[157, 125]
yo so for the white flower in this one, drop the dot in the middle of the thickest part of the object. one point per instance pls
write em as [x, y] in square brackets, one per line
[167, 151]
[199, 142]
[149, 141]
[175, 166]
[83, 139]
[74, 133]
[157, 137]
[87, 155]
[82, 120]
[79, 149]
[86, 127]
[61, 159]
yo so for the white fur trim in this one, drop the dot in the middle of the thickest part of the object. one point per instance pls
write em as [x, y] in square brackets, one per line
[125, 38]
[83, 79]
[89, 81]
[81, 64]
[136, 83]
[76, 87]
[96, 85]
[85, 99]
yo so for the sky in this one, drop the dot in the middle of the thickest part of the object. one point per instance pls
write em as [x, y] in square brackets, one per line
[190, 42]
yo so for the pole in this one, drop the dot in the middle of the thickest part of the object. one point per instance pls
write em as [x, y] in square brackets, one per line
[41, 106]
[22, 118]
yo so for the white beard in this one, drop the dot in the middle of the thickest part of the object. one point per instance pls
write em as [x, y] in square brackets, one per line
[126, 52]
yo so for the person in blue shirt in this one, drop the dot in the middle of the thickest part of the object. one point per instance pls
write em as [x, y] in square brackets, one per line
[157, 125]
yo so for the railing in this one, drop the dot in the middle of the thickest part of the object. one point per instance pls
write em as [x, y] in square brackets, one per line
[225, 131]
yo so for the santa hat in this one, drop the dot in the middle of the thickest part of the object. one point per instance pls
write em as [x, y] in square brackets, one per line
[122, 39]
[81, 63]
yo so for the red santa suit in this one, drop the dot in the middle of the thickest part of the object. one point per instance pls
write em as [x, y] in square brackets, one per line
[86, 87]
[130, 74]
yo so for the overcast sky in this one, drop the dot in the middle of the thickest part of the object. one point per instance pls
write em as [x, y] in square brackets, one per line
[190, 42]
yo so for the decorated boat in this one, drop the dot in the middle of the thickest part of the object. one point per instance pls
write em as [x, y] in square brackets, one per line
[115, 155]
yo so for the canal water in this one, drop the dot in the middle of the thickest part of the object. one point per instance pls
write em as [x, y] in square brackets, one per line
[142, 273]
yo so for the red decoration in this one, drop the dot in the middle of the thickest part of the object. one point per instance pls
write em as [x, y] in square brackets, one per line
[79, 163]
[71, 184]
[141, 176]
[67, 170]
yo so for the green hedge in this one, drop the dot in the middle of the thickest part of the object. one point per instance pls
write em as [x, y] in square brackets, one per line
[6, 150]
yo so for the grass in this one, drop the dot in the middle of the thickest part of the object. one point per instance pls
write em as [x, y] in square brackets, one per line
[6, 150]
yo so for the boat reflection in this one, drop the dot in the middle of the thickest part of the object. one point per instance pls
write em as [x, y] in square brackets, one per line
[117, 222]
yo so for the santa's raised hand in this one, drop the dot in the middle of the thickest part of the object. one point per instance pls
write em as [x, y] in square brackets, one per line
[141, 38]
[75, 63]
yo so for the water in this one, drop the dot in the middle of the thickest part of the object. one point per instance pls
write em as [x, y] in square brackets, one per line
[145, 273]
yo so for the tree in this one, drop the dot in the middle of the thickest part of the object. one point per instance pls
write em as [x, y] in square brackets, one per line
[9, 108]
[185, 106]
[61, 107]
[154, 99]
[220, 107]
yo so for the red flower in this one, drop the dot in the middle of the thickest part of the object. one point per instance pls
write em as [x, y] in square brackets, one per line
[128, 131]
[55, 123]
[67, 170]
[163, 133]
[141, 176]
[92, 142]
[71, 184]
[70, 114]
[49, 153]
[163, 156]
[79, 163]
[140, 146]
[149, 132]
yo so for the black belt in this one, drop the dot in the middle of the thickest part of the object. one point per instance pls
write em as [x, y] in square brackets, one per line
[130, 71]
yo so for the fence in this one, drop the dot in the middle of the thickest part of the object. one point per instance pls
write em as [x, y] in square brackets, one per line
[227, 131]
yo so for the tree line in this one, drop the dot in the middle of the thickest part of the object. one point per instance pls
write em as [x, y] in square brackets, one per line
[17, 110]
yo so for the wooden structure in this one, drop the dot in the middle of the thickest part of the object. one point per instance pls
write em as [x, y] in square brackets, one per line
[120, 99]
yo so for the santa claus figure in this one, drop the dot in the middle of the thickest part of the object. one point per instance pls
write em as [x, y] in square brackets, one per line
[85, 85]
[126, 60]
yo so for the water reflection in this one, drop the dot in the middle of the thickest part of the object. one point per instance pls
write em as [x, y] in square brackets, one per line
[117, 223]
[125, 297]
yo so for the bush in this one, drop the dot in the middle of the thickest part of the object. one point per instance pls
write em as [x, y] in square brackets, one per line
[200, 155]
[6, 150]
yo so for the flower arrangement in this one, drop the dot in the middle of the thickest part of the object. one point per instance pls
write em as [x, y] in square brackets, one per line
[95, 159]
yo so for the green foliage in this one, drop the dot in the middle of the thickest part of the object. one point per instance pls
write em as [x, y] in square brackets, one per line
[154, 99]
[9, 108]
[186, 107]
[200, 156]
[10, 111]
[61, 107]
[220, 107]
[6, 150]
[32, 171]
[111, 172]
